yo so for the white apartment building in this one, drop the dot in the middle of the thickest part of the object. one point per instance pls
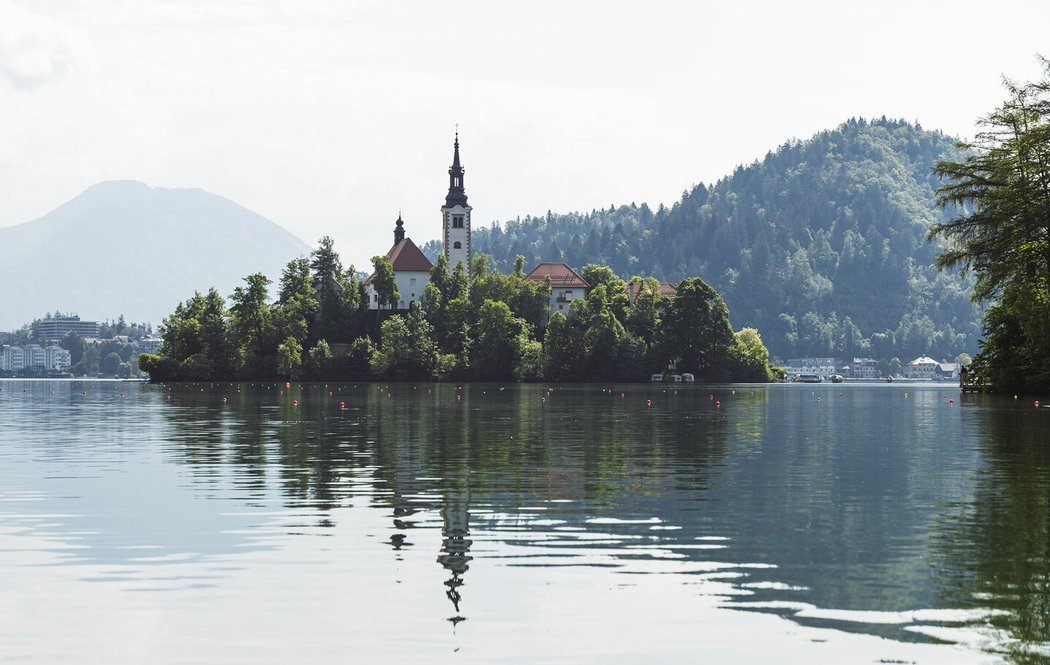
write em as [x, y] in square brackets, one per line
[18, 358]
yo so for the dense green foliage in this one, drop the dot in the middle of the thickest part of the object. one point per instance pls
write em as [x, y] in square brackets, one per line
[492, 327]
[1004, 236]
[821, 245]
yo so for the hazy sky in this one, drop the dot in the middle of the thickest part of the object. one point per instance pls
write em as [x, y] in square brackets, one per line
[328, 117]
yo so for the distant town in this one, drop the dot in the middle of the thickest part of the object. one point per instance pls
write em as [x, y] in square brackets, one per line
[63, 345]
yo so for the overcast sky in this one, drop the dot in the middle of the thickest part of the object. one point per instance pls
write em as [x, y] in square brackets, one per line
[329, 117]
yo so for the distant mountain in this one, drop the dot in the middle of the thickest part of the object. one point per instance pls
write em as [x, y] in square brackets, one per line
[123, 247]
[821, 245]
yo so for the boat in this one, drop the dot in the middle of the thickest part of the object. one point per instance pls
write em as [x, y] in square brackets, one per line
[688, 377]
[836, 378]
[806, 378]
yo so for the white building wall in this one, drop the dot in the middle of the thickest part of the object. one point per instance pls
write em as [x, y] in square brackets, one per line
[410, 285]
[453, 235]
[18, 358]
[561, 298]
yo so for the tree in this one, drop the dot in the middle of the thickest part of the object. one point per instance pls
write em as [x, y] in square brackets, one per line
[73, 343]
[406, 349]
[643, 319]
[696, 335]
[319, 360]
[563, 348]
[384, 283]
[501, 339]
[110, 364]
[750, 357]
[1002, 234]
[290, 358]
[251, 318]
[297, 302]
[327, 273]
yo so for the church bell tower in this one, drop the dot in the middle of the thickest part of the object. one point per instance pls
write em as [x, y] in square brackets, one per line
[455, 215]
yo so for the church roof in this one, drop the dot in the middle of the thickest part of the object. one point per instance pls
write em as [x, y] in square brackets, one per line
[562, 276]
[406, 257]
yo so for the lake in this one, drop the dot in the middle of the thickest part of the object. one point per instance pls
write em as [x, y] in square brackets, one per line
[433, 523]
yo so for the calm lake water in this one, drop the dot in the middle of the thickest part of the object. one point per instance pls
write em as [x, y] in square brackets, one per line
[517, 524]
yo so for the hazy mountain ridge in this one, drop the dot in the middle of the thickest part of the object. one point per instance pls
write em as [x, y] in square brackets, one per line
[821, 244]
[123, 247]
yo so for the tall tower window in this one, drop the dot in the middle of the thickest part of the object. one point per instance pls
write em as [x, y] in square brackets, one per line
[457, 221]
[457, 245]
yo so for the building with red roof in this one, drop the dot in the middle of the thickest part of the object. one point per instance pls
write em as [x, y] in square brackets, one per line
[566, 284]
[666, 289]
[411, 270]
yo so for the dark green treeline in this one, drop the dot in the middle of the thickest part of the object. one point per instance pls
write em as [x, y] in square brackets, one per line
[820, 245]
[492, 327]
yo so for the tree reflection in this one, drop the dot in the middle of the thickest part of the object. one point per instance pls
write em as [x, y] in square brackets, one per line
[995, 550]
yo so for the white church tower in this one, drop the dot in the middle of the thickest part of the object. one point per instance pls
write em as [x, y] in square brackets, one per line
[455, 215]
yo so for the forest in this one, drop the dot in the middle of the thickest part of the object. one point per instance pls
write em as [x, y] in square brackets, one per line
[492, 326]
[821, 245]
[1001, 235]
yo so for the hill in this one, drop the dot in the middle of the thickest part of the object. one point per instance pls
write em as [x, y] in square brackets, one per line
[820, 245]
[123, 247]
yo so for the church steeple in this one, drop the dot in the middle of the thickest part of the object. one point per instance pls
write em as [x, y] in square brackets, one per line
[399, 229]
[457, 195]
[455, 216]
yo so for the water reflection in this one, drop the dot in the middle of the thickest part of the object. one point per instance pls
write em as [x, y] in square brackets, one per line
[994, 550]
[870, 510]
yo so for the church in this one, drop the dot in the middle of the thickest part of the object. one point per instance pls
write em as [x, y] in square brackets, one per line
[411, 267]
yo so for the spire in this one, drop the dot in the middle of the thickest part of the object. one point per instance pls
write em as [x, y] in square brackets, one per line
[457, 195]
[399, 229]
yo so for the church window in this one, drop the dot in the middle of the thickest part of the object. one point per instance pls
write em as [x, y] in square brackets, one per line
[456, 181]
[457, 245]
[457, 221]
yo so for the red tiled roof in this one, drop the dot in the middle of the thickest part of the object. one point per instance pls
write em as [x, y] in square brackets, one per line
[562, 276]
[405, 256]
[666, 289]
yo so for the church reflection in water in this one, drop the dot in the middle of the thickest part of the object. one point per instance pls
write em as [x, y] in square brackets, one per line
[455, 545]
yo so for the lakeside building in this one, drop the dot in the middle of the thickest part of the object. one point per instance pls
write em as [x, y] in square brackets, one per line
[411, 266]
[54, 328]
[411, 270]
[666, 289]
[149, 344]
[947, 371]
[34, 357]
[923, 367]
[566, 284]
[819, 366]
[864, 368]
